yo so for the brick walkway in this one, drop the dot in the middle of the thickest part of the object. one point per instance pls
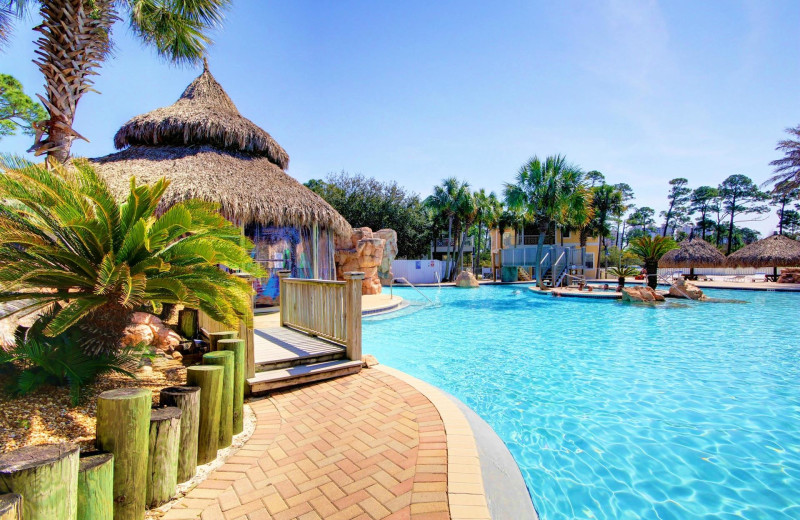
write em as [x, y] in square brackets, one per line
[367, 446]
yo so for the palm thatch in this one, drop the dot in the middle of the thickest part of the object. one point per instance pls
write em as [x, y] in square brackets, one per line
[248, 188]
[773, 251]
[209, 151]
[204, 114]
[693, 253]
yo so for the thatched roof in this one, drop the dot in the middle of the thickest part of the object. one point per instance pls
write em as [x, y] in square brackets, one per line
[204, 115]
[250, 189]
[773, 251]
[693, 253]
[209, 151]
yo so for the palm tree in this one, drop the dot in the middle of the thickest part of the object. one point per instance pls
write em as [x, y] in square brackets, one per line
[76, 39]
[489, 211]
[64, 240]
[606, 201]
[787, 168]
[578, 216]
[542, 190]
[650, 250]
[466, 212]
[445, 200]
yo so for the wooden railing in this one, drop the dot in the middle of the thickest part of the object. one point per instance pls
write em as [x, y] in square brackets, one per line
[328, 309]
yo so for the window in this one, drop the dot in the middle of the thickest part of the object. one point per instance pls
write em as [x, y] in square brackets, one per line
[588, 261]
[566, 233]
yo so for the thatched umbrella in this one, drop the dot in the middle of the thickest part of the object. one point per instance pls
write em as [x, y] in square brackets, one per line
[774, 251]
[208, 150]
[693, 253]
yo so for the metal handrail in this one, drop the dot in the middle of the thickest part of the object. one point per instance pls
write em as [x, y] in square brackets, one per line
[412, 286]
[555, 266]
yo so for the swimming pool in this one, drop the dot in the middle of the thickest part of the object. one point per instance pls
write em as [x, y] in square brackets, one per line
[683, 410]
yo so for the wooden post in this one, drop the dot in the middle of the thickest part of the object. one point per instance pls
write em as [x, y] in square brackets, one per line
[162, 458]
[123, 422]
[187, 398]
[225, 360]
[188, 323]
[239, 381]
[47, 478]
[96, 486]
[283, 274]
[216, 336]
[209, 379]
[11, 506]
[352, 305]
[247, 333]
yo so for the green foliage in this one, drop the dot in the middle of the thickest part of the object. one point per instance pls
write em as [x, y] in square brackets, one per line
[368, 202]
[64, 238]
[739, 195]
[36, 360]
[787, 168]
[702, 201]
[679, 210]
[624, 271]
[650, 249]
[17, 110]
[453, 207]
[782, 199]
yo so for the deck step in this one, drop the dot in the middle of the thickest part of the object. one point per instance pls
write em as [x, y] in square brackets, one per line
[307, 359]
[301, 374]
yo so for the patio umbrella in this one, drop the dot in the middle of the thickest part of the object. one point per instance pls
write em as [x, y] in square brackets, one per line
[774, 251]
[693, 253]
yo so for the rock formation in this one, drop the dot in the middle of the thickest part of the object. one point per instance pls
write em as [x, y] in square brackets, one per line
[389, 236]
[465, 279]
[150, 330]
[684, 289]
[371, 253]
[791, 275]
[640, 294]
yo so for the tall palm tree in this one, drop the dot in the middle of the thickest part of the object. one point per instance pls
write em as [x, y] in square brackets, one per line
[466, 212]
[579, 214]
[445, 201]
[606, 201]
[787, 168]
[542, 190]
[65, 241]
[75, 39]
[490, 209]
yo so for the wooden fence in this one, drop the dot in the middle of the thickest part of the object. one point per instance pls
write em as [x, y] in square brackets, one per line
[328, 309]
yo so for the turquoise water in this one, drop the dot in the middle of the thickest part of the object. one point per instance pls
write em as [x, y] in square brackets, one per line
[685, 410]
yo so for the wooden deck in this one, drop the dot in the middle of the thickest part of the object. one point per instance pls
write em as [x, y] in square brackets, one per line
[281, 344]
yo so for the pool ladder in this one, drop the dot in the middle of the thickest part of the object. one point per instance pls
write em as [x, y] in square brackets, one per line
[404, 279]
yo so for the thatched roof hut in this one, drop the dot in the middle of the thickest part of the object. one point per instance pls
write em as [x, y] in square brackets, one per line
[210, 151]
[773, 251]
[693, 253]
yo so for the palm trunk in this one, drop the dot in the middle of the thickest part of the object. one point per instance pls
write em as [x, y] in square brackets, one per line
[780, 221]
[730, 234]
[73, 42]
[622, 240]
[449, 245]
[652, 273]
[539, 247]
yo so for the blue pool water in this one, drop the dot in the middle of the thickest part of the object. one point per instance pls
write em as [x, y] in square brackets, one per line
[685, 410]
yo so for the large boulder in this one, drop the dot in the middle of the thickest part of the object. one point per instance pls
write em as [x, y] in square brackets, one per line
[641, 294]
[790, 275]
[138, 334]
[363, 251]
[389, 236]
[684, 289]
[151, 331]
[467, 280]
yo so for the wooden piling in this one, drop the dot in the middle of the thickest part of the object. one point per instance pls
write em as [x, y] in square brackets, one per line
[96, 486]
[123, 425]
[209, 379]
[187, 398]
[11, 506]
[224, 359]
[237, 346]
[216, 336]
[162, 458]
[47, 478]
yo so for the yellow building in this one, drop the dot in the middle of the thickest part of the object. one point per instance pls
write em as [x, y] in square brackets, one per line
[562, 254]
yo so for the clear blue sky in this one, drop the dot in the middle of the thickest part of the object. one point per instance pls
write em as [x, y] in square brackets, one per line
[417, 91]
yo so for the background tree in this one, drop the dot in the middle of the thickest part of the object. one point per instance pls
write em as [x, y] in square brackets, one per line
[606, 201]
[678, 197]
[466, 212]
[787, 168]
[781, 199]
[18, 112]
[75, 39]
[626, 193]
[740, 196]
[791, 222]
[594, 178]
[368, 202]
[702, 202]
[446, 200]
[641, 222]
[489, 209]
[542, 191]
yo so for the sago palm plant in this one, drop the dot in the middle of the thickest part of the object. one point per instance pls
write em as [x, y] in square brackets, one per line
[63, 238]
[651, 249]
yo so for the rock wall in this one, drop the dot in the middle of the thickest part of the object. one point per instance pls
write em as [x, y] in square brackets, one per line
[150, 330]
[641, 294]
[371, 253]
[791, 275]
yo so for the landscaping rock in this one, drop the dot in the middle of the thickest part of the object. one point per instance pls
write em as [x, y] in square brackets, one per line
[467, 280]
[790, 275]
[369, 361]
[363, 252]
[177, 355]
[684, 289]
[640, 294]
[389, 236]
[138, 334]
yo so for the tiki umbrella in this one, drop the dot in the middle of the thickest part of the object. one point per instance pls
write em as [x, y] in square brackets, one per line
[774, 251]
[693, 253]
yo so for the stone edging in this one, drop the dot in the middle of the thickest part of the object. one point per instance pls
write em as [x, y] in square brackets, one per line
[465, 490]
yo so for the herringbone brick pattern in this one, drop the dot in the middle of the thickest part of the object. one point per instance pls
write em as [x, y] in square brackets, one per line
[367, 446]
